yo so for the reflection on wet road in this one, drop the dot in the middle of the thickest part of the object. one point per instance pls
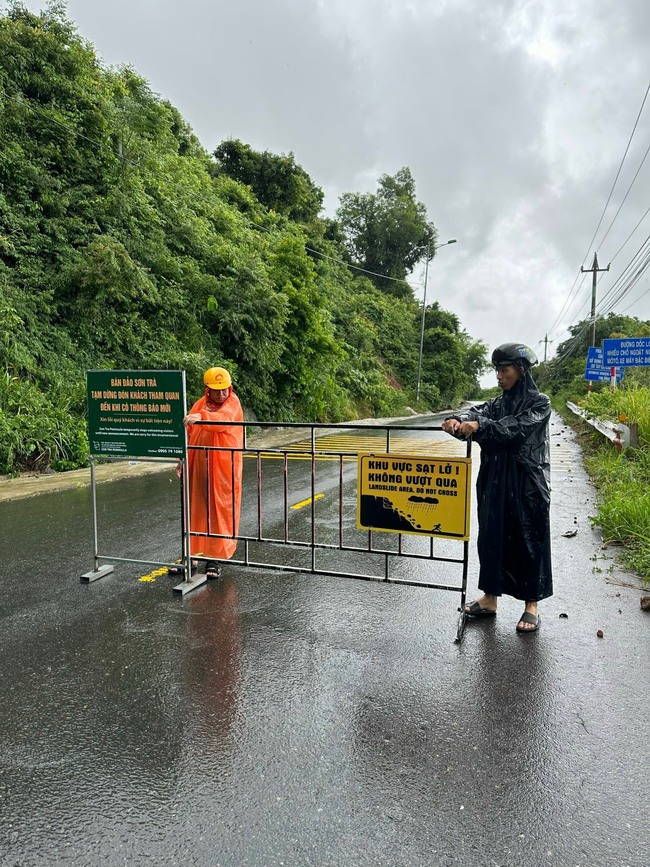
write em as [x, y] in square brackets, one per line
[273, 718]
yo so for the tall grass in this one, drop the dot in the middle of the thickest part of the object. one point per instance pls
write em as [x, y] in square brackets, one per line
[623, 479]
[39, 429]
[629, 404]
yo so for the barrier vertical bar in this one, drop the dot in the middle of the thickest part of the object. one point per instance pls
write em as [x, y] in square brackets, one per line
[190, 582]
[259, 496]
[233, 497]
[313, 495]
[462, 617]
[340, 501]
[206, 454]
[98, 571]
[285, 479]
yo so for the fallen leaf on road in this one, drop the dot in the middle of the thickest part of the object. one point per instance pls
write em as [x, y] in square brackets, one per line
[570, 534]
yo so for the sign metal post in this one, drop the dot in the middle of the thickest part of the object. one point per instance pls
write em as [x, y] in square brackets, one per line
[138, 414]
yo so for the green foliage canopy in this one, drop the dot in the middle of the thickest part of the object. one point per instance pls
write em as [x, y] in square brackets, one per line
[123, 244]
[387, 232]
[565, 372]
[277, 181]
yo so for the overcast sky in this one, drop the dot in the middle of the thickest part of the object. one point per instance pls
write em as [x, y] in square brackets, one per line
[513, 115]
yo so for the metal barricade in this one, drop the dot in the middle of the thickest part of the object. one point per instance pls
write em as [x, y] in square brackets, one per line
[299, 505]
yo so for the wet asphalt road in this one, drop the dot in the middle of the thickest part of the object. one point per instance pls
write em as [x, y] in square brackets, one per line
[282, 719]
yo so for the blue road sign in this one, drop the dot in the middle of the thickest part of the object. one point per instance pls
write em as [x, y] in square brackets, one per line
[627, 352]
[596, 368]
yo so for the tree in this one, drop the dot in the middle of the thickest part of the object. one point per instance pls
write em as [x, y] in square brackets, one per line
[123, 244]
[452, 362]
[612, 325]
[387, 232]
[570, 359]
[278, 181]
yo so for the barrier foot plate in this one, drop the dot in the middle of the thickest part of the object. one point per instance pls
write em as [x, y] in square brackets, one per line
[88, 577]
[462, 623]
[187, 586]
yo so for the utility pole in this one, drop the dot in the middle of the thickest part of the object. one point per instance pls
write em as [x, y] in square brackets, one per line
[546, 342]
[594, 270]
[424, 310]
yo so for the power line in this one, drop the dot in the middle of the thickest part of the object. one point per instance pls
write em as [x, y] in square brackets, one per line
[560, 360]
[625, 196]
[570, 296]
[569, 302]
[636, 123]
[76, 132]
[607, 306]
[636, 301]
[638, 266]
[614, 293]
[640, 261]
[643, 257]
[630, 235]
[68, 127]
[357, 268]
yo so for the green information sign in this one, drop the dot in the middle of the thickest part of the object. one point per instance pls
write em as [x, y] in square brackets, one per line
[136, 413]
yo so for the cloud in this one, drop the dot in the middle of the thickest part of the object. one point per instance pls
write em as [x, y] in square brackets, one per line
[513, 116]
[264, 72]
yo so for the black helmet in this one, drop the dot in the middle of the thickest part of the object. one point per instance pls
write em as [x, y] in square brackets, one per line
[514, 353]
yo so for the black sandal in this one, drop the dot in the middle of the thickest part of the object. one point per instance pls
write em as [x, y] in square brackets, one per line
[179, 569]
[473, 609]
[212, 569]
[533, 619]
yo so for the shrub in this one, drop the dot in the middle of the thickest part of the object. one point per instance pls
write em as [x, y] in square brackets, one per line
[37, 429]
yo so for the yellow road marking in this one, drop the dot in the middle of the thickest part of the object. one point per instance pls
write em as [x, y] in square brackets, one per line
[162, 571]
[307, 502]
[153, 575]
[351, 446]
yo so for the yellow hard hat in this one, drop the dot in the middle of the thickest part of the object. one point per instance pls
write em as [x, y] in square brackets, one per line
[217, 378]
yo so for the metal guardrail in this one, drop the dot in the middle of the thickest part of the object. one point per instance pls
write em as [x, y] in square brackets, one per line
[617, 432]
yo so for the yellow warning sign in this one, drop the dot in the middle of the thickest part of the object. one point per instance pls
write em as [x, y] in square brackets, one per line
[414, 494]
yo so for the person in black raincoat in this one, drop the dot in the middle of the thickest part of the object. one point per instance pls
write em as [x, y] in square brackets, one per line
[512, 488]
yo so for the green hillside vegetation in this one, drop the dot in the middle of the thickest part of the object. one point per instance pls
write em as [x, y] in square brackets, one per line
[125, 244]
[563, 376]
[622, 478]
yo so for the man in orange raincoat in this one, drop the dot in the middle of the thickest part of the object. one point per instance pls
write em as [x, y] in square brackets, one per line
[215, 476]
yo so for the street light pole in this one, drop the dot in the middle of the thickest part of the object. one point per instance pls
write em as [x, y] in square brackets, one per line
[424, 308]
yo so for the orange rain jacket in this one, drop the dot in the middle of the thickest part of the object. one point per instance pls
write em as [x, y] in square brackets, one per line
[215, 479]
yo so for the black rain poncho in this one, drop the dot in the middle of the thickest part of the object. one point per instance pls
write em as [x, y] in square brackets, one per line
[513, 492]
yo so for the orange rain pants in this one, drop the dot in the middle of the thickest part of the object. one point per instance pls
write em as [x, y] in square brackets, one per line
[215, 479]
